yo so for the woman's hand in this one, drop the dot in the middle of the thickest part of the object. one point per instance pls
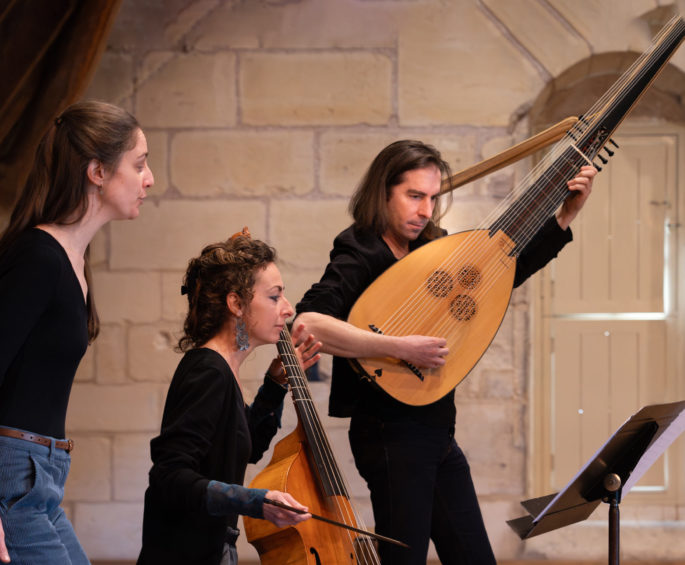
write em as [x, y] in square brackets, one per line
[280, 516]
[4, 555]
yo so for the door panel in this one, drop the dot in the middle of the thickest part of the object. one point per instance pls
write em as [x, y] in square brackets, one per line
[609, 315]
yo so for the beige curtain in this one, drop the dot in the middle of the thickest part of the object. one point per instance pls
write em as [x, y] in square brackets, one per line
[48, 53]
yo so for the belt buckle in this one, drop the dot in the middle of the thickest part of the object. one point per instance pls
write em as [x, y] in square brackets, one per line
[70, 445]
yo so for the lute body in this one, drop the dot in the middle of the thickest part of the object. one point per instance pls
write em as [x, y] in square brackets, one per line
[463, 300]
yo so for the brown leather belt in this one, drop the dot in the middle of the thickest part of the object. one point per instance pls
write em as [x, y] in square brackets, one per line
[68, 445]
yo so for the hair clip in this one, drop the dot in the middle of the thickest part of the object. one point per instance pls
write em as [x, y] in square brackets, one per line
[244, 233]
[58, 120]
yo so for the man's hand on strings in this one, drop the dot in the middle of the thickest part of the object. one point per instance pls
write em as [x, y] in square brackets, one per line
[424, 352]
[580, 188]
[306, 347]
[306, 350]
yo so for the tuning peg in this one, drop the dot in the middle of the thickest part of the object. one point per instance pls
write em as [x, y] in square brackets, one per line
[613, 143]
[609, 152]
[602, 159]
[596, 166]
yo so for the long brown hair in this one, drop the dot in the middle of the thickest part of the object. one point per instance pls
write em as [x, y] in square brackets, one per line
[56, 190]
[222, 268]
[369, 203]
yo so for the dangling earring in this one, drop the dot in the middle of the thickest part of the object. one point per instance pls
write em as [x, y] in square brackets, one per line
[100, 191]
[241, 338]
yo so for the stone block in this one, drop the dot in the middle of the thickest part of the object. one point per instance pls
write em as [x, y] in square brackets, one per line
[627, 31]
[133, 30]
[112, 408]
[169, 235]
[130, 296]
[111, 530]
[189, 16]
[490, 435]
[151, 355]
[549, 40]
[131, 464]
[90, 476]
[113, 79]
[174, 304]
[458, 147]
[501, 384]
[296, 246]
[300, 25]
[484, 87]
[345, 157]
[187, 90]
[110, 354]
[242, 163]
[350, 88]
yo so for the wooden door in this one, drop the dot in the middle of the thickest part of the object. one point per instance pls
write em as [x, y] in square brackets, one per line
[609, 314]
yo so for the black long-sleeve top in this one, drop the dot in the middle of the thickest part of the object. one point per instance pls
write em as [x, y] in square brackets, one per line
[357, 259]
[208, 433]
[43, 333]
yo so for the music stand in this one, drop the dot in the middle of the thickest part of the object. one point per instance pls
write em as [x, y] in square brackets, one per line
[607, 476]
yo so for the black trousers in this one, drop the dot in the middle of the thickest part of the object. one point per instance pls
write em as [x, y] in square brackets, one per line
[421, 489]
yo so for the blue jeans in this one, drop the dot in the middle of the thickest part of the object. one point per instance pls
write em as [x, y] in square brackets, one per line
[421, 489]
[32, 478]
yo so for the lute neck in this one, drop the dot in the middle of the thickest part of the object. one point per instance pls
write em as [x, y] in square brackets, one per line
[530, 208]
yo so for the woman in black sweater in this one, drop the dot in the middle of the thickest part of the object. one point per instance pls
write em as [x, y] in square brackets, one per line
[90, 168]
[209, 434]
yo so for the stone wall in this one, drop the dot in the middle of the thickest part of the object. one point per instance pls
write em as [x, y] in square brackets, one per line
[265, 113]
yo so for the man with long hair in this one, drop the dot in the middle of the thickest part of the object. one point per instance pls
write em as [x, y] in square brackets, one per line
[419, 479]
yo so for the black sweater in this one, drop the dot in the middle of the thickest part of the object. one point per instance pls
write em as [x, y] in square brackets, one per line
[43, 333]
[208, 433]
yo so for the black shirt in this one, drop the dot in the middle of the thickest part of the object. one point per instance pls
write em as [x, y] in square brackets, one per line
[208, 433]
[43, 333]
[358, 258]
